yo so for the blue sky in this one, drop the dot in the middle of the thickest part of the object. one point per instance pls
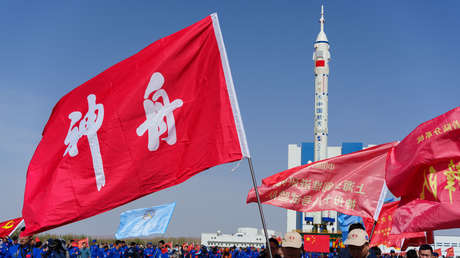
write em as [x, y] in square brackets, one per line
[394, 65]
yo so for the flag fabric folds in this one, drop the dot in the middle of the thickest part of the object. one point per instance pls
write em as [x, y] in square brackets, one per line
[145, 222]
[353, 184]
[147, 123]
[8, 227]
[382, 235]
[424, 169]
[414, 240]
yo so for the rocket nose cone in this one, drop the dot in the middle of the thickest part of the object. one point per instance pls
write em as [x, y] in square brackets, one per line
[321, 36]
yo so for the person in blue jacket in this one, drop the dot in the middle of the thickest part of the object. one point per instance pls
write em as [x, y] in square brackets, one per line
[74, 251]
[23, 249]
[123, 247]
[106, 252]
[117, 252]
[157, 253]
[131, 252]
[3, 247]
[100, 250]
[149, 251]
[37, 249]
[12, 246]
[94, 249]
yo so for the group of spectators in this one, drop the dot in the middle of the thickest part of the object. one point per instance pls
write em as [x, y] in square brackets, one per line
[357, 246]
[27, 247]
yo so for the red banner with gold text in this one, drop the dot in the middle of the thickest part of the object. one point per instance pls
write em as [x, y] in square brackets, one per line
[351, 184]
[424, 169]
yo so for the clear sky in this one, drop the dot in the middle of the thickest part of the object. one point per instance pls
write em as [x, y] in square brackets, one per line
[394, 65]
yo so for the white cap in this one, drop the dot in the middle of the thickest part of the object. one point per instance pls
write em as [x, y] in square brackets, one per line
[357, 237]
[292, 239]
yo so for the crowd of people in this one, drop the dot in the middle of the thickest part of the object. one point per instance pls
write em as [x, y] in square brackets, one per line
[357, 246]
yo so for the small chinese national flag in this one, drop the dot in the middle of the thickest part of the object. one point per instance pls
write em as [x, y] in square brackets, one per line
[147, 123]
[438, 251]
[316, 243]
[450, 252]
[7, 227]
[424, 169]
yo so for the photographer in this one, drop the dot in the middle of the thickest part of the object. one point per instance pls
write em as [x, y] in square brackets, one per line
[54, 249]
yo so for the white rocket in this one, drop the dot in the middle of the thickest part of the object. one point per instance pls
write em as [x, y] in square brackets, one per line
[321, 57]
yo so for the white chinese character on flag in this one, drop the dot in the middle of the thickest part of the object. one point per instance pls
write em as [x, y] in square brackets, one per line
[156, 113]
[88, 126]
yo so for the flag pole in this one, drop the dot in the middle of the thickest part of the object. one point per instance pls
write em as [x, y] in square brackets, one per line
[372, 231]
[16, 228]
[261, 212]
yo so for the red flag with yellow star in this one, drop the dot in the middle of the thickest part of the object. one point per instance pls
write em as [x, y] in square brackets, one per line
[7, 227]
[382, 235]
[316, 243]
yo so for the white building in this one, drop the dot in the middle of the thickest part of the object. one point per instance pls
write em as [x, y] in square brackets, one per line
[244, 237]
[445, 242]
[442, 242]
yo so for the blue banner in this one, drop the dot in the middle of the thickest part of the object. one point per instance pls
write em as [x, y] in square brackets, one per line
[145, 222]
[345, 221]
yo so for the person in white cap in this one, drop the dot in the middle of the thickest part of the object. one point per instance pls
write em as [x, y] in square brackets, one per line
[291, 245]
[358, 243]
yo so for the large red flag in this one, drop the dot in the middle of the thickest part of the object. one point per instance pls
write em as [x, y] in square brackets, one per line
[424, 169]
[351, 184]
[147, 123]
[7, 227]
